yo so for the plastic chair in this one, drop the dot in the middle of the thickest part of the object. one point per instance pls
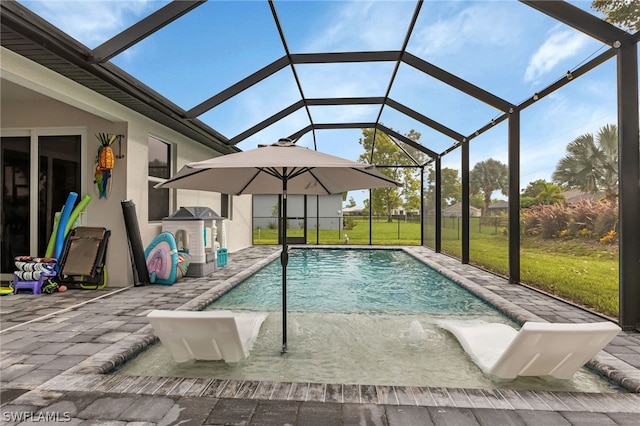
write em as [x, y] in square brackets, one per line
[32, 287]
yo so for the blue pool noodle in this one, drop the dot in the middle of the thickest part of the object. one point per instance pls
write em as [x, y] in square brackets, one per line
[62, 223]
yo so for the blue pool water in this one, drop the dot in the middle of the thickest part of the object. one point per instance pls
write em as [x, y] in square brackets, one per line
[342, 281]
[356, 316]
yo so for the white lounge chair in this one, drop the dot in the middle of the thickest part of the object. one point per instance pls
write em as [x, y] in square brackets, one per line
[538, 349]
[207, 335]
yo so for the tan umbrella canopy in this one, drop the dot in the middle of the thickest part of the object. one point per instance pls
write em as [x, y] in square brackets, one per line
[263, 171]
[281, 168]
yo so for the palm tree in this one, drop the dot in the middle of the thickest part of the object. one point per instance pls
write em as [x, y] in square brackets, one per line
[591, 165]
[551, 194]
[488, 176]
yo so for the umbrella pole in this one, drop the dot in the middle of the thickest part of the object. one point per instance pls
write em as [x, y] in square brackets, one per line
[284, 260]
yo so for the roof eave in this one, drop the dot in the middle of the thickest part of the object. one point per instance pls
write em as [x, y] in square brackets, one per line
[34, 38]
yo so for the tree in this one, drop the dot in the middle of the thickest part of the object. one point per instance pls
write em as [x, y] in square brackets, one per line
[526, 202]
[476, 200]
[550, 194]
[540, 192]
[591, 165]
[489, 176]
[384, 152]
[625, 13]
[534, 188]
[450, 185]
[352, 202]
[412, 177]
[411, 195]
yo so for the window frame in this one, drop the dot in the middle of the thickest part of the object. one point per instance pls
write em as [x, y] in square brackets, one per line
[226, 206]
[156, 179]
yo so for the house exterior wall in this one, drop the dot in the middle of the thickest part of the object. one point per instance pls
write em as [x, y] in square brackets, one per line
[74, 108]
[456, 211]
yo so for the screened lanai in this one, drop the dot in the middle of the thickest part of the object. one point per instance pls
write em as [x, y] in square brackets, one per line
[475, 80]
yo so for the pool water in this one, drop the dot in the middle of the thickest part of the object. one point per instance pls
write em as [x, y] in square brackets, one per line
[357, 316]
[383, 281]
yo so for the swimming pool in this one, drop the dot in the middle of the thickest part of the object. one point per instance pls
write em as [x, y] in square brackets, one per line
[338, 280]
[356, 316]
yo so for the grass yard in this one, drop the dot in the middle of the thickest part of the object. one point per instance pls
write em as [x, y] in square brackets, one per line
[580, 271]
[384, 233]
[584, 273]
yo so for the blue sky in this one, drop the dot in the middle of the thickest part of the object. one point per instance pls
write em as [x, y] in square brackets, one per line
[504, 47]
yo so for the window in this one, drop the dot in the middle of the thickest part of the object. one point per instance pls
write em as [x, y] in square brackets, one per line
[159, 170]
[226, 206]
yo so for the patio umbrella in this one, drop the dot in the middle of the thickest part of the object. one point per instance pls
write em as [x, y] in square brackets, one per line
[281, 168]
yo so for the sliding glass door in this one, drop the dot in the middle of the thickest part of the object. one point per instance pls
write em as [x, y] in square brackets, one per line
[38, 172]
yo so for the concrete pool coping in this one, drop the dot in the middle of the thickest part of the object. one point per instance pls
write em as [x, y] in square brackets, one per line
[72, 346]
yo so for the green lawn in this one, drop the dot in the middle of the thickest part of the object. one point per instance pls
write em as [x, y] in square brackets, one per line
[384, 233]
[583, 272]
[587, 274]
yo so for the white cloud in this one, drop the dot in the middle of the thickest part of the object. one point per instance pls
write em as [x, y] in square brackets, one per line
[560, 45]
[92, 21]
[358, 25]
[486, 25]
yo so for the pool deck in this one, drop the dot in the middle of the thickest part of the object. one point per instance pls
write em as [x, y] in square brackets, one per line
[57, 350]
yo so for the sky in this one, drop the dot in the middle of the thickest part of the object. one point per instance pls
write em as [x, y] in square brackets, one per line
[504, 47]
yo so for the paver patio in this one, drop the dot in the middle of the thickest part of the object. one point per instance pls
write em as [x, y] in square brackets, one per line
[57, 351]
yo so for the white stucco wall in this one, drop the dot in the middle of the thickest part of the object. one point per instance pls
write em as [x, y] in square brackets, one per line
[73, 107]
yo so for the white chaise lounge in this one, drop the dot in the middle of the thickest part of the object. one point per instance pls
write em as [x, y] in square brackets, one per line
[538, 349]
[207, 335]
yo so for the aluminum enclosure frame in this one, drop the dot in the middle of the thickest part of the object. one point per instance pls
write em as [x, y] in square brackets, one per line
[31, 36]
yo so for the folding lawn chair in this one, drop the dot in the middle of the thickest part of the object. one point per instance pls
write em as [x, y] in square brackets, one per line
[82, 263]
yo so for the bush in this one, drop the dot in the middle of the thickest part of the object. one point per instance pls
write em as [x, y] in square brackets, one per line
[583, 215]
[526, 202]
[530, 222]
[585, 219]
[609, 238]
[348, 223]
[607, 219]
[585, 233]
[548, 221]
[553, 221]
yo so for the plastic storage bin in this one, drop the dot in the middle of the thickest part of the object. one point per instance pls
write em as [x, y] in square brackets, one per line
[222, 257]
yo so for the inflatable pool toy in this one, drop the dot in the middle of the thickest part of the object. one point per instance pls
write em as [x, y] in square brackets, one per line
[73, 216]
[162, 259]
[76, 212]
[62, 223]
[52, 238]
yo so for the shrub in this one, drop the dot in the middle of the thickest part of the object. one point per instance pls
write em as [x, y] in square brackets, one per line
[348, 223]
[607, 219]
[582, 216]
[585, 219]
[553, 219]
[585, 233]
[526, 202]
[530, 221]
[609, 238]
